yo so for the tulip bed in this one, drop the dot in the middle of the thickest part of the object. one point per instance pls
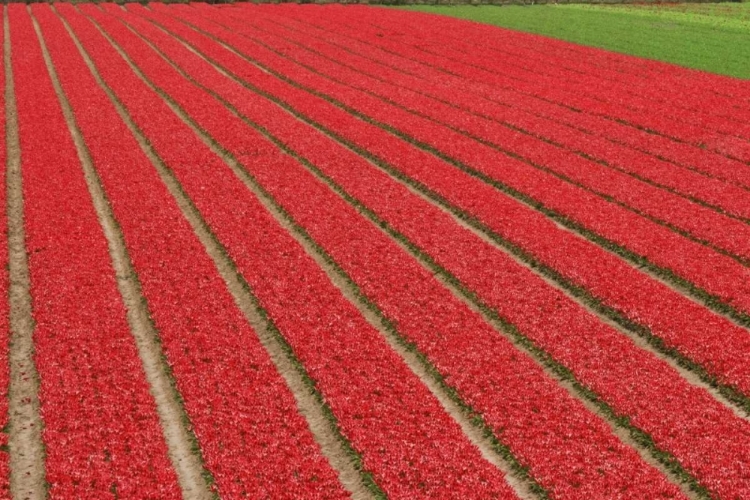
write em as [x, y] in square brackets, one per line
[557, 237]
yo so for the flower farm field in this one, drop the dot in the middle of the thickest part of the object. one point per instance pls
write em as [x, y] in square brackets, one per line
[285, 251]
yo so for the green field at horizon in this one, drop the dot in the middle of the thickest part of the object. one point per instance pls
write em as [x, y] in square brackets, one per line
[710, 37]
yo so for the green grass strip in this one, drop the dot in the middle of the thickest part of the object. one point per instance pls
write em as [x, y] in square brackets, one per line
[705, 38]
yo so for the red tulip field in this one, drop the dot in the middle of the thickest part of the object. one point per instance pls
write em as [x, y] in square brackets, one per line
[318, 252]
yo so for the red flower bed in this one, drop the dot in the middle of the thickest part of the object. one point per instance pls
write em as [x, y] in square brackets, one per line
[422, 81]
[525, 103]
[498, 288]
[588, 92]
